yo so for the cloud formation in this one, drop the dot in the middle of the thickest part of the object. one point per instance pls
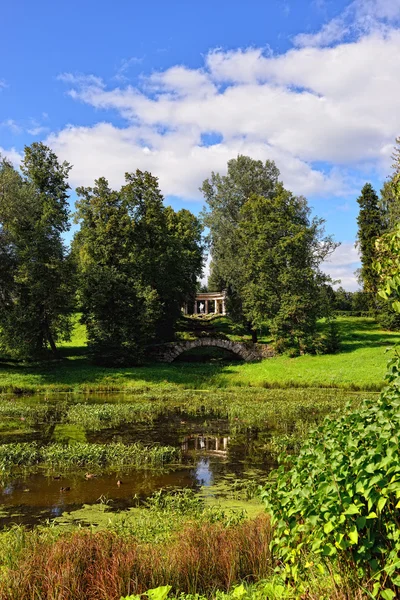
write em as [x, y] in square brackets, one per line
[325, 110]
[341, 266]
[311, 106]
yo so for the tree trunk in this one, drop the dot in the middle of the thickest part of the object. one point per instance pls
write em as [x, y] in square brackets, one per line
[254, 337]
[50, 339]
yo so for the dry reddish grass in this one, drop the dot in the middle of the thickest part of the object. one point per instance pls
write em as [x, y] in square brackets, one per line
[103, 566]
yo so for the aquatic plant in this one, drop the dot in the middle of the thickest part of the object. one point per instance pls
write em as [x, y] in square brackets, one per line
[81, 454]
[94, 417]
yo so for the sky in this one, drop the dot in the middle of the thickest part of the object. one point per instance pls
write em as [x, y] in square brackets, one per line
[180, 87]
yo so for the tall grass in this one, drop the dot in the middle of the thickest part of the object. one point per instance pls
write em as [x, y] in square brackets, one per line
[93, 417]
[80, 454]
[102, 566]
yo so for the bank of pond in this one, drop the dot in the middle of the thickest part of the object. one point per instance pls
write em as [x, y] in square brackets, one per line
[107, 495]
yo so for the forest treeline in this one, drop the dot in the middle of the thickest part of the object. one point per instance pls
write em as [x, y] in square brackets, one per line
[134, 262]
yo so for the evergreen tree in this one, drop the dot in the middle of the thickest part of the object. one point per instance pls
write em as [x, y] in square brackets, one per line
[369, 229]
[36, 275]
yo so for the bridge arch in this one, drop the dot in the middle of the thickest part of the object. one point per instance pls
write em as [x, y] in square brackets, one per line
[171, 351]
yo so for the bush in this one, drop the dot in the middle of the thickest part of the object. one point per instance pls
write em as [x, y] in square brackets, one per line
[339, 499]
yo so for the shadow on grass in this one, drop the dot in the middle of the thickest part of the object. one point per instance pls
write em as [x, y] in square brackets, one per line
[80, 373]
[364, 333]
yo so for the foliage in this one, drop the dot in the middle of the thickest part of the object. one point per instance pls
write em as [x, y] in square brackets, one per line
[266, 251]
[340, 497]
[279, 252]
[369, 229]
[387, 266]
[225, 195]
[138, 263]
[351, 302]
[36, 275]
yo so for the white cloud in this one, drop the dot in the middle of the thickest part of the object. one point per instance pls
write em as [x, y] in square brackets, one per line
[37, 130]
[359, 18]
[11, 125]
[333, 105]
[124, 67]
[12, 155]
[342, 264]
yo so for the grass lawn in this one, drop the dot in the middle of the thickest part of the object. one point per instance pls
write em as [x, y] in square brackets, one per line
[359, 366]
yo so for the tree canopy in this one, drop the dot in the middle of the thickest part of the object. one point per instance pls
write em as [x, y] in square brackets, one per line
[138, 263]
[266, 250]
[36, 274]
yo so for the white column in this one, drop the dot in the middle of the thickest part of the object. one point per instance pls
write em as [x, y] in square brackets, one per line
[223, 307]
[195, 307]
[206, 308]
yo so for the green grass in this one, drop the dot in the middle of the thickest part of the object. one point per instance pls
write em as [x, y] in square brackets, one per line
[81, 454]
[359, 366]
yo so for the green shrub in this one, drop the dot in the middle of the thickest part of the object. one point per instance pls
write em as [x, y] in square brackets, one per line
[340, 498]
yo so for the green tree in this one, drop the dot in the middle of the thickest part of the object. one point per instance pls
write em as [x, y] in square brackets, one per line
[370, 228]
[225, 195]
[279, 251]
[389, 205]
[342, 299]
[118, 311]
[39, 296]
[168, 248]
[265, 250]
[387, 267]
[139, 263]
[390, 208]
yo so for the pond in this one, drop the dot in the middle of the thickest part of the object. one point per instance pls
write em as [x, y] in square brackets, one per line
[222, 440]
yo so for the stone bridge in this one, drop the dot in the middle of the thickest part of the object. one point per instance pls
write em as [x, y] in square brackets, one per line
[246, 351]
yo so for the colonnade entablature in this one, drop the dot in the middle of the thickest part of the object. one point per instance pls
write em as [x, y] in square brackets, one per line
[207, 303]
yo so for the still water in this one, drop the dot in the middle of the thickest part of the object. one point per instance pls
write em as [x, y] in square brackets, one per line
[214, 451]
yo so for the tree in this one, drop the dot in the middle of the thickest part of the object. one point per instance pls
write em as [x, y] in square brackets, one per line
[387, 267]
[225, 195]
[38, 299]
[343, 299]
[279, 252]
[370, 227]
[139, 263]
[389, 205]
[262, 241]
[118, 311]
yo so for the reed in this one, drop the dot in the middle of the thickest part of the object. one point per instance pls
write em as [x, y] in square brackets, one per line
[80, 454]
[201, 559]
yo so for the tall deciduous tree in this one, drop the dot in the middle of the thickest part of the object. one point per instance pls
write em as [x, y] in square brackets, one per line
[36, 274]
[225, 195]
[280, 249]
[369, 229]
[118, 311]
[139, 262]
[265, 249]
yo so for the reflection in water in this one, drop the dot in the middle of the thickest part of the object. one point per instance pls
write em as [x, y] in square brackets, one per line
[207, 443]
[211, 452]
[204, 473]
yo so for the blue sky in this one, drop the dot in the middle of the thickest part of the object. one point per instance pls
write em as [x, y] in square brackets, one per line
[180, 87]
